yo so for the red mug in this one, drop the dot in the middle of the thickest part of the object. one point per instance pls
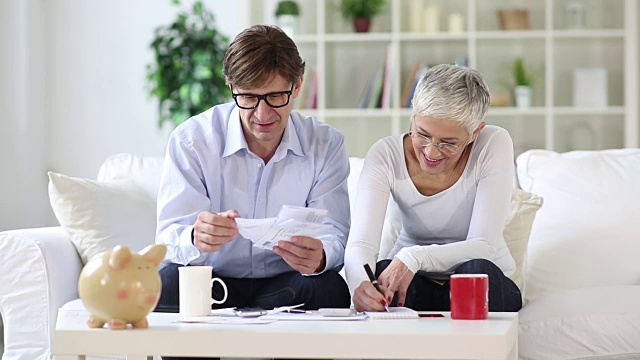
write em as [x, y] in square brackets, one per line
[469, 296]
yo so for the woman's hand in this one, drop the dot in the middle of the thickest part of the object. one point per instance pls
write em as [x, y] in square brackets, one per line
[367, 298]
[397, 277]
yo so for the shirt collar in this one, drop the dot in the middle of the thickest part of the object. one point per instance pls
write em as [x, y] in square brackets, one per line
[290, 139]
[235, 140]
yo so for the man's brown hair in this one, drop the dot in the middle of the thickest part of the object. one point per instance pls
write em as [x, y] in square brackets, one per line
[257, 54]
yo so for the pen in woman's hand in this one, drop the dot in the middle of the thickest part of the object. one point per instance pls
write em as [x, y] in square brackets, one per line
[374, 281]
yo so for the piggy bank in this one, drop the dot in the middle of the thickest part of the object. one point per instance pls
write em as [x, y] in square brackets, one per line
[121, 287]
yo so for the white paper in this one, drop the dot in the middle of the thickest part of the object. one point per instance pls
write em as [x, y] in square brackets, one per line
[291, 221]
[299, 213]
[281, 313]
[224, 320]
[311, 317]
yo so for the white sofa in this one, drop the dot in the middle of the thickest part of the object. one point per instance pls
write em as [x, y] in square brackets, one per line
[582, 275]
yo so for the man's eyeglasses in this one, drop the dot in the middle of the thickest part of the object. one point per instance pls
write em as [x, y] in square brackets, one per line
[275, 99]
[444, 147]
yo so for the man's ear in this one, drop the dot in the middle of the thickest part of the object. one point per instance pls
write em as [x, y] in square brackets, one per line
[297, 87]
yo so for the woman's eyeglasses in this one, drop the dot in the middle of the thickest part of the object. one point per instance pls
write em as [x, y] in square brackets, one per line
[444, 147]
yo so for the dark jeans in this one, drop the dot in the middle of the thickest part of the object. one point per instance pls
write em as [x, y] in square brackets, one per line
[425, 294]
[325, 290]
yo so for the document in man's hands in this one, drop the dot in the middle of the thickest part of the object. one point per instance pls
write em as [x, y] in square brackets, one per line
[291, 221]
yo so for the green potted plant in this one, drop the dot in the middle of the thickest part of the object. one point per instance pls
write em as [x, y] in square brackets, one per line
[288, 16]
[524, 78]
[361, 12]
[186, 74]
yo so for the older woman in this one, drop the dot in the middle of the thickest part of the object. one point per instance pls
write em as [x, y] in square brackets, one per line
[451, 176]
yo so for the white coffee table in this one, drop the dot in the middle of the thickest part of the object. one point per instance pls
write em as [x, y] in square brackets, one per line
[424, 338]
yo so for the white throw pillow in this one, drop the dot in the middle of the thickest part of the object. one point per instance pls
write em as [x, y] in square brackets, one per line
[524, 206]
[145, 171]
[99, 215]
[587, 233]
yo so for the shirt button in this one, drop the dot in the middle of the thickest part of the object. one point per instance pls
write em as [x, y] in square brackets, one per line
[259, 166]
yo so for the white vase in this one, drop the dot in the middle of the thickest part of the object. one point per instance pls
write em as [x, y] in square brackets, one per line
[523, 95]
[289, 24]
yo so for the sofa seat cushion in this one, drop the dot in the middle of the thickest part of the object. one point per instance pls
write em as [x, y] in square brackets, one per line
[587, 232]
[586, 323]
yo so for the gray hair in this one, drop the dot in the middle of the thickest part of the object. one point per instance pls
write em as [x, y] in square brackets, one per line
[452, 92]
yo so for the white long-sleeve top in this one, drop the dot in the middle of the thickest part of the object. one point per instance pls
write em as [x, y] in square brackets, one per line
[458, 224]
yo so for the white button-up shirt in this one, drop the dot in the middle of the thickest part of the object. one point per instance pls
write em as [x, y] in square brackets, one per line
[209, 167]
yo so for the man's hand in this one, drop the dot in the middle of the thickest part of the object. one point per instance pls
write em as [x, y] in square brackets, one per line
[303, 253]
[367, 298]
[397, 277]
[212, 230]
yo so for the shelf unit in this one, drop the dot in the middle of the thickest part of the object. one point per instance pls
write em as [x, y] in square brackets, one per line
[345, 60]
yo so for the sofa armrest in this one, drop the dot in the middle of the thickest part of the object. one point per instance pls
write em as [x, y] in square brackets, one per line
[39, 271]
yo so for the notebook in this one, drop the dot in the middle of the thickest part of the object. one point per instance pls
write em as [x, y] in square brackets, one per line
[394, 313]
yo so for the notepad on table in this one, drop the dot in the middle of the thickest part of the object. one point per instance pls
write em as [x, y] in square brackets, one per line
[394, 313]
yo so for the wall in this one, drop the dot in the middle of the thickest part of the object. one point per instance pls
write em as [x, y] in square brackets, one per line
[23, 121]
[99, 105]
[72, 91]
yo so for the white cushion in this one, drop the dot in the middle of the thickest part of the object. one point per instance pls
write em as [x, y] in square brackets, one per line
[587, 233]
[145, 171]
[99, 215]
[517, 229]
[602, 322]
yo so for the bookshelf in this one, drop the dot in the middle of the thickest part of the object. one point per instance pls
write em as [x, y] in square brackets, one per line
[345, 61]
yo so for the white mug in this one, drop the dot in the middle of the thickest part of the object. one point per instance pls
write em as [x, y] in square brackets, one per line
[195, 290]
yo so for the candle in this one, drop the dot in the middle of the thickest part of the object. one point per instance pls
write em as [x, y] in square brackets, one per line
[456, 23]
[415, 16]
[431, 19]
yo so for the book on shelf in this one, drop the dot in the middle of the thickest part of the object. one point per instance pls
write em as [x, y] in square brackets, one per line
[370, 97]
[377, 91]
[414, 82]
[414, 76]
[365, 97]
[308, 95]
[408, 86]
[312, 99]
[385, 97]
